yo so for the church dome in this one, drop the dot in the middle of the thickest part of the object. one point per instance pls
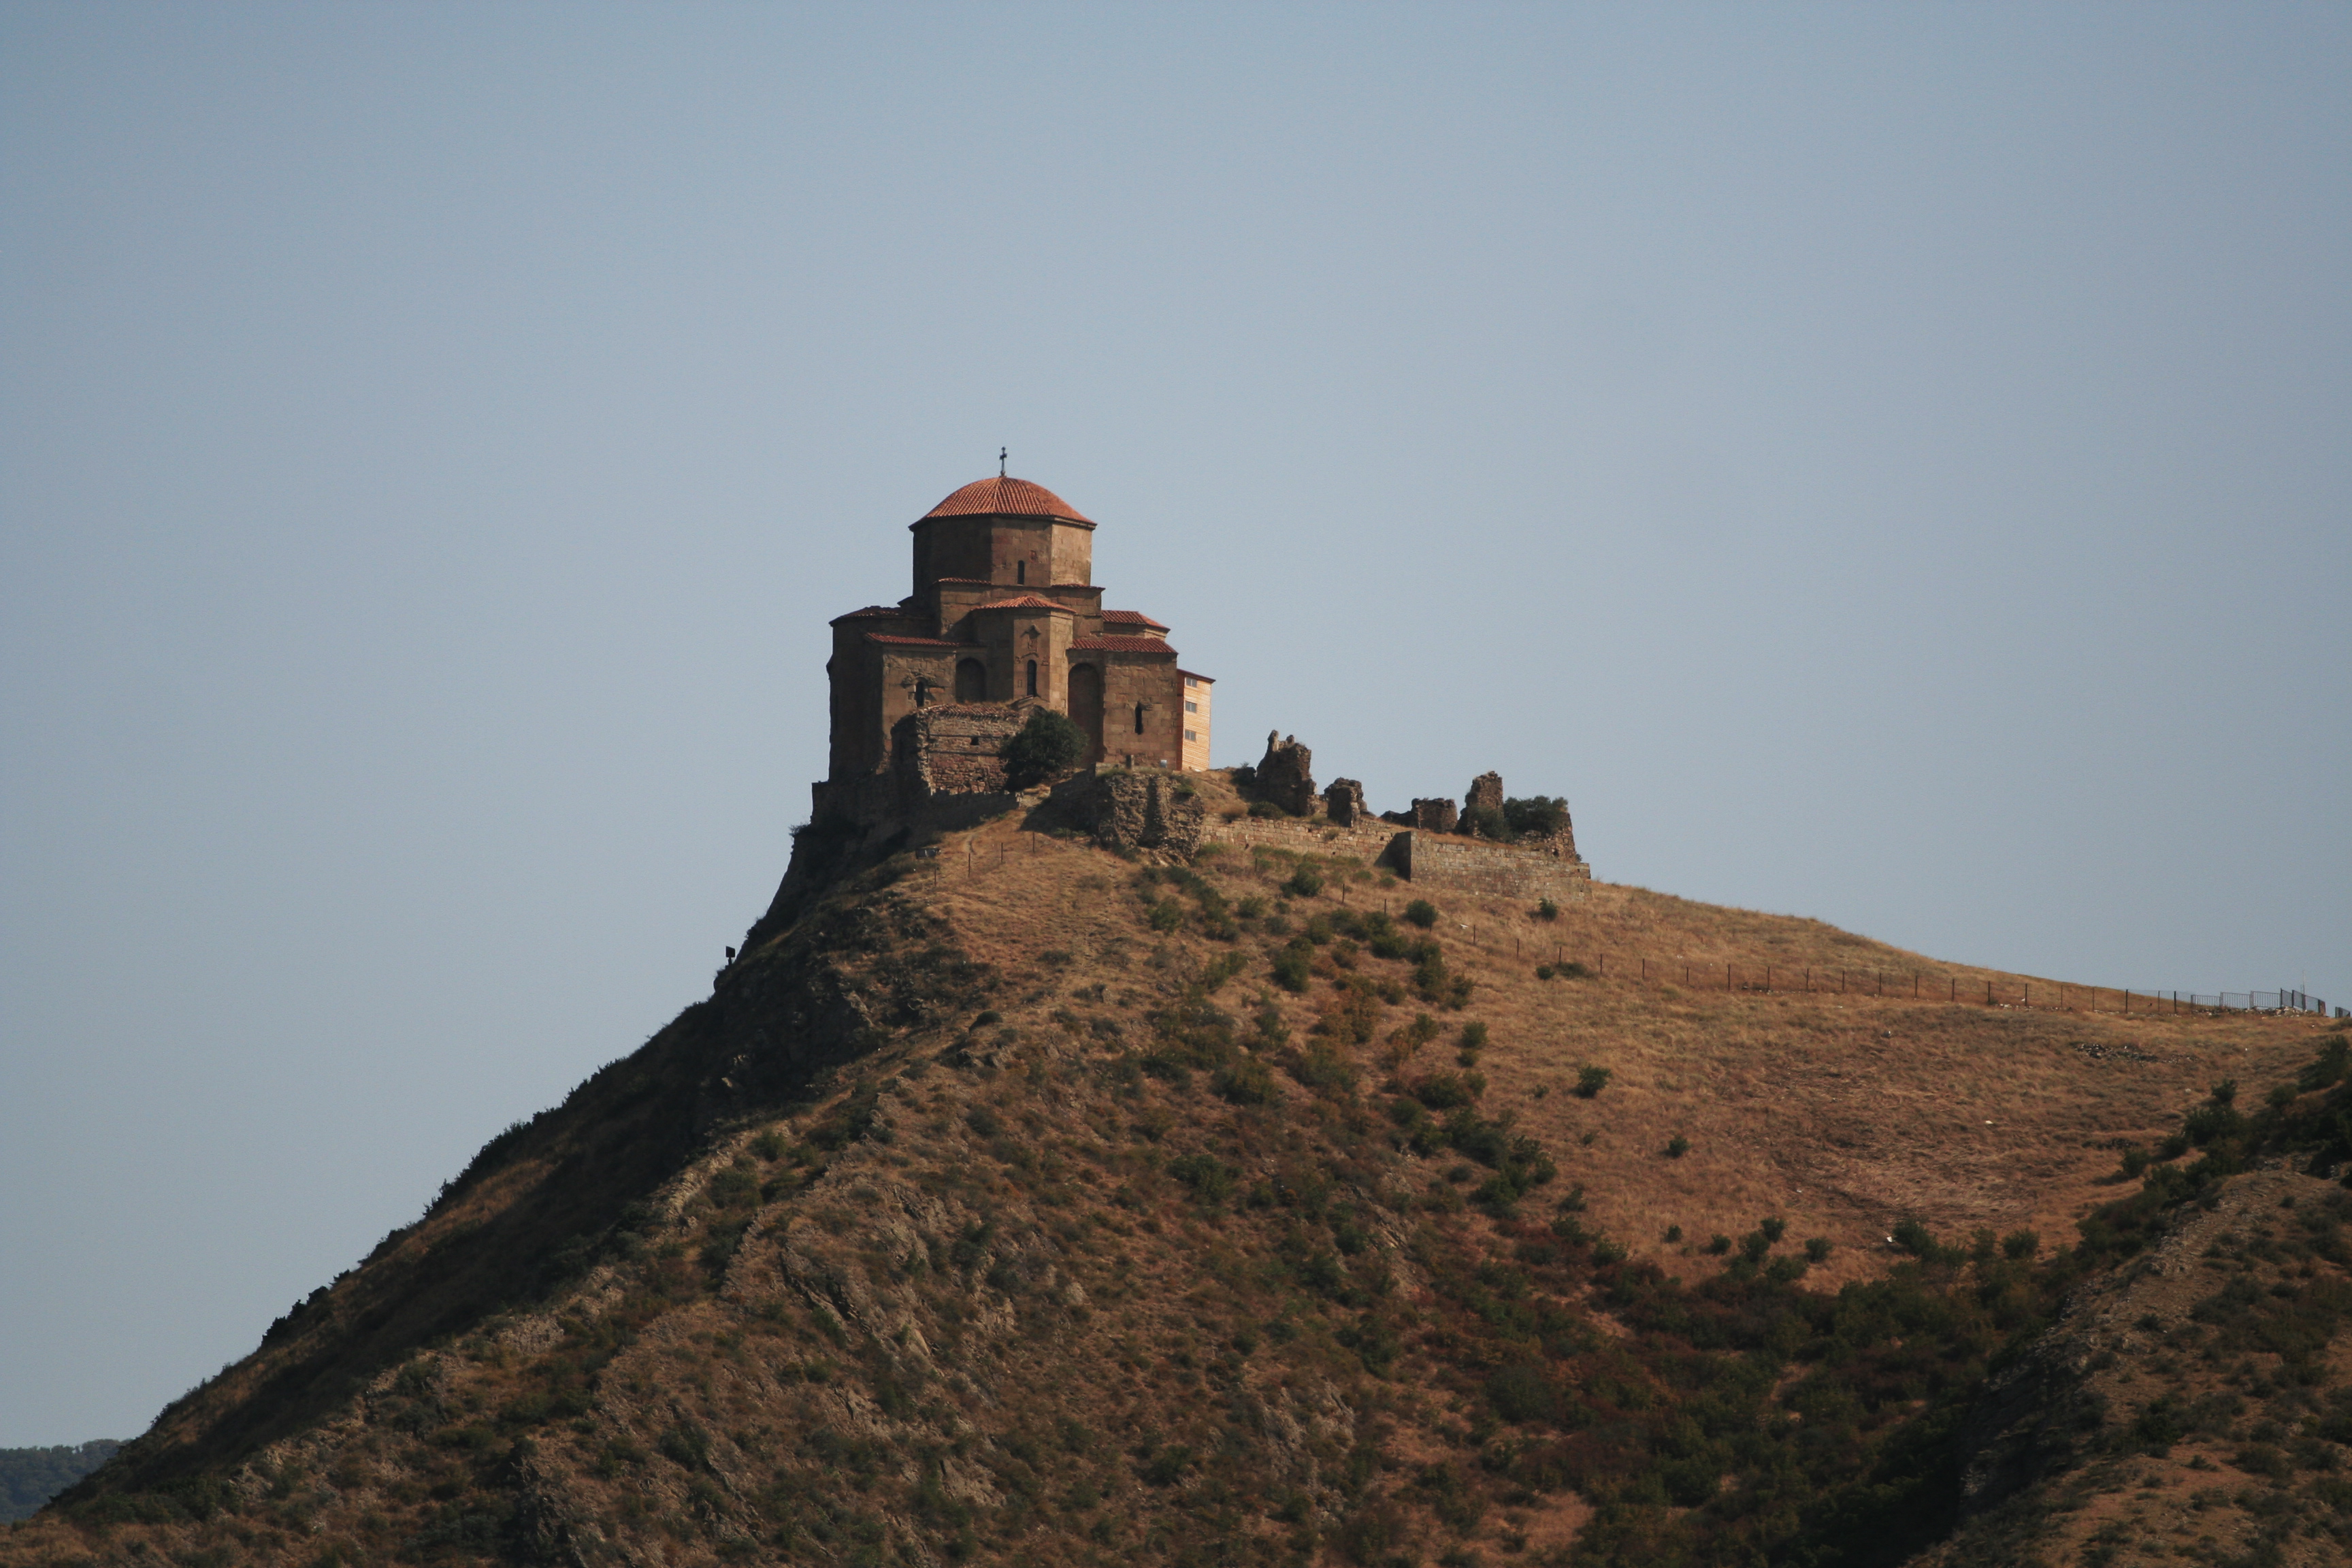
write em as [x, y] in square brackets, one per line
[997, 496]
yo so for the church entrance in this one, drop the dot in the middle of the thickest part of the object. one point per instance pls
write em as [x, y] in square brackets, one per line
[1086, 705]
[971, 680]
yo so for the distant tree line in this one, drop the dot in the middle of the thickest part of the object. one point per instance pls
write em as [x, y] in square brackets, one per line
[31, 1477]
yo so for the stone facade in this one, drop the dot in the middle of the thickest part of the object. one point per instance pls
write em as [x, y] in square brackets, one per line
[1343, 802]
[1485, 790]
[1435, 815]
[1004, 611]
[1366, 841]
[954, 749]
[1284, 775]
[1198, 690]
[1477, 866]
[1138, 808]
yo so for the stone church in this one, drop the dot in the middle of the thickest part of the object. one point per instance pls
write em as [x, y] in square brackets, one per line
[1004, 617]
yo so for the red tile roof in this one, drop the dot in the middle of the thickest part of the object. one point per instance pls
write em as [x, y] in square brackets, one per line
[870, 611]
[1026, 602]
[1130, 618]
[917, 642]
[999, 497]
[1121, 645]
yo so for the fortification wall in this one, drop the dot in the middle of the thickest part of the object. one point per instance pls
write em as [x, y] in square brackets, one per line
[1304, 834]
[1477, 866]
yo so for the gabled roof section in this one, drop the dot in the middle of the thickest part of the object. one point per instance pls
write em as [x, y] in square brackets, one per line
[1024, 602]
[1121, 645]
[877, 612]
[1132, 618]
[998, 496]
[889, 640]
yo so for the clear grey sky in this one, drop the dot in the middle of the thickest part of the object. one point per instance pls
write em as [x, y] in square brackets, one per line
[1884, 463]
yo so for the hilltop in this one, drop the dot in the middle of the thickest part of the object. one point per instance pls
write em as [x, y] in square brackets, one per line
[1018, 1200]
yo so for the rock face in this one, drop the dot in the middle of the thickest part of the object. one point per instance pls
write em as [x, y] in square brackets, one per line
[1435, 815]
[1343, 802]
[1284, 776]
[1485, 790]
[1143, 808]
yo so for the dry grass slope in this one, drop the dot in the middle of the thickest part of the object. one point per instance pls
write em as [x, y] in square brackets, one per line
[1031, 1205]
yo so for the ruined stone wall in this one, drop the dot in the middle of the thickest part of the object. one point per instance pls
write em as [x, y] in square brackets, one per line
[1305, 834]
[953, 749]
[1286, 775]
[1477, 866]
[1143, 808]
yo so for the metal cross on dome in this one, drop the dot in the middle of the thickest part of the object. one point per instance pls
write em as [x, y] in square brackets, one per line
[999, 462]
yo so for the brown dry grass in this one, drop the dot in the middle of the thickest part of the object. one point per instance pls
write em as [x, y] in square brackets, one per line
[1837, 1113]
[1840, 1113]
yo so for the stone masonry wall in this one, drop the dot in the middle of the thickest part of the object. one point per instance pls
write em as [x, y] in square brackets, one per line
[1474, 865]
[953, 749]
[1366, 840]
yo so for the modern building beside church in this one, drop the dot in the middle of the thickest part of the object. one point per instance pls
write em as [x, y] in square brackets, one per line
[1004, 612]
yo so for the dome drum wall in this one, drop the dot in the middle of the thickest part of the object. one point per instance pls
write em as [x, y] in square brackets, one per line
[1008, 551]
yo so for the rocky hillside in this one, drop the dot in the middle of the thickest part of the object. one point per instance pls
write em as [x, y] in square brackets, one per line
[1027, 1201]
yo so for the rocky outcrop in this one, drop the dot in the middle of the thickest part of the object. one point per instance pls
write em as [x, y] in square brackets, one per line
[1343, 802]
[1284, 776]
[1144, 808]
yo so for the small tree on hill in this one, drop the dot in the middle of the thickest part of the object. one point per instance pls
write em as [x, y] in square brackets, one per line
[1047, 745]
[1538, 815]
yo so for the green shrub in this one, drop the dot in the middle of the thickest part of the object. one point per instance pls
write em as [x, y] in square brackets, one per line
[1474, 1038]
[1817, 1249]
[1773, 1229]
[1167, 1466]
[1421, 913]
[1266, 808]
[1520, 1393]
[1541, 815]
[1247, 1083]
[1591, 1082]
[1547, 910]
[1166, 915]
[1488, 822]
[2019, 1244]
[1677, 1146]
[1210, 1179]
[1304, 882]
[1049, 744]
[1290, 966]
[1719, 1245]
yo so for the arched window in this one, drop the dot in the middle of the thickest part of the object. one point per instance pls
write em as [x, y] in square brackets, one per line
[1020, 570]
[1033, 677]
[1138, 718]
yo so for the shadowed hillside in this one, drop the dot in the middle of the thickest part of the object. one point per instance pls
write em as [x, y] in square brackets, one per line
[1028, 1203]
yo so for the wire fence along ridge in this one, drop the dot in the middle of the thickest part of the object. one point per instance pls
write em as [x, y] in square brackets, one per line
[1916, 983]
[1922, 987]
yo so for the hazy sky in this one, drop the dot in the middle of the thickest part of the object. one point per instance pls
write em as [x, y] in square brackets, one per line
[1887, 464]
